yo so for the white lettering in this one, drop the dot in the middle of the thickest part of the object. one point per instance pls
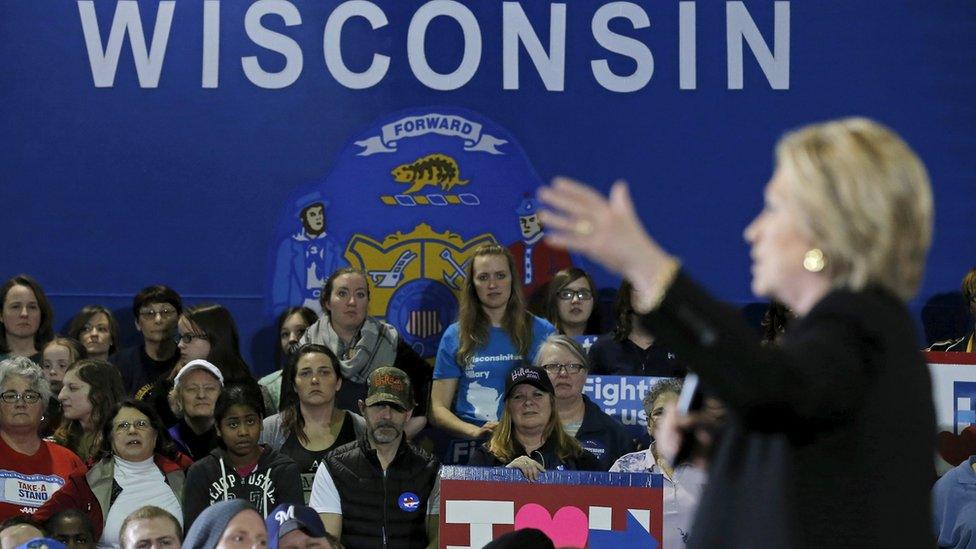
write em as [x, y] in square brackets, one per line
[416, 38]
[273, 41]
[517, 29]
[739, 25]
[623, 45]
[104, 62]
[332, 40]
[211, 44]
[481, 515]
[687, 46]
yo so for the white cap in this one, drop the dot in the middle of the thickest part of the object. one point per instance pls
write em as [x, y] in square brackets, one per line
[199, 364]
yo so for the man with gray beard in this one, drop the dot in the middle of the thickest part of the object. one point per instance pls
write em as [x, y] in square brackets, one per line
[380, 491]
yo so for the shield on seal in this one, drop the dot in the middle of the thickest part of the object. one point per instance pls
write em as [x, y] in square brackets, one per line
[415, 279]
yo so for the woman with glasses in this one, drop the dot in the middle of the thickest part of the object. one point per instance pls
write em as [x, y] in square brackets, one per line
[27, 318]
[96, 329]
[570, 303]
[603, 436]
[631, 350]
[90, 390]
[529, 436]
[493, 334]
[137, 465]
[31, 469]
[310, 424]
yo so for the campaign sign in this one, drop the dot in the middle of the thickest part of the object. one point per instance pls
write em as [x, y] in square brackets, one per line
[574, 508]
[622, 397]
[954, 394]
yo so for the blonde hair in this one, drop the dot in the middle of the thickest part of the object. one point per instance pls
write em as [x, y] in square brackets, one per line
[502, 442]
[864, 198]
[473, 322]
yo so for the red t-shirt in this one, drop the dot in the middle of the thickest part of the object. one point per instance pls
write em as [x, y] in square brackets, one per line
[26, 482]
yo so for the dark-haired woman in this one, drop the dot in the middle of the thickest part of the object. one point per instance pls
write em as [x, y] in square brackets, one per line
[630, 350]
[291, 324]
[96, 329]
[529, 436]
[27, 318]
[205, 332]
[241, 468]
[364, 343]
[90, 391]
[310, 424]
[138, 465]
[571, 303]
[493, 334]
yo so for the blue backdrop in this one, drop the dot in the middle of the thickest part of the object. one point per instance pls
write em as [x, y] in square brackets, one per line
[160, 141]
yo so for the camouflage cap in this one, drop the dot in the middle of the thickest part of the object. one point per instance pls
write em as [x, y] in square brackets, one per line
[390, 385]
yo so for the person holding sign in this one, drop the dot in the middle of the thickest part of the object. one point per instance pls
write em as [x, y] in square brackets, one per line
[529, 436]
[597, 432]
[829, 438]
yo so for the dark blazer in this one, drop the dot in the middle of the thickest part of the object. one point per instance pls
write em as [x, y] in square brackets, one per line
[831, 435]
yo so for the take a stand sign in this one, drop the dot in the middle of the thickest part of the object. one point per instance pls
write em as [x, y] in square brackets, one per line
[581, 509]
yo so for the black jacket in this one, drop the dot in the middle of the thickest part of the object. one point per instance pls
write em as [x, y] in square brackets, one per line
[831, 435]
[274, 481]
[546, 455]
[382, 510]
[603, 436]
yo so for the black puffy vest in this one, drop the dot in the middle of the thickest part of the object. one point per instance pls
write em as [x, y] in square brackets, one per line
[377, 508]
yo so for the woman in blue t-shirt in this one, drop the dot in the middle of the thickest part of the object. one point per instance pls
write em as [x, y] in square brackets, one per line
[494, 333]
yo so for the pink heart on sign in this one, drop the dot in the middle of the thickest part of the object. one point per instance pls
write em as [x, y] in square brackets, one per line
[569, 528]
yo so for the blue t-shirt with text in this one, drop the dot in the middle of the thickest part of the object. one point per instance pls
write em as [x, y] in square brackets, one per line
[481, 385]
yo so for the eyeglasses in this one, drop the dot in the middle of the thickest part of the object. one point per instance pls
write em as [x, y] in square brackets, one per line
[150, 314]
[29, 397]
[555, 368]
[188, 338]
[140, 425]
[582, 295]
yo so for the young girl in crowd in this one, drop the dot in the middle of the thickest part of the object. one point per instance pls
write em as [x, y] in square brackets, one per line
[240, 468]
[494, 333]
[27, 318]
[59, 354]
[96, 329]
[90, 391]
[291, 324]
[363, 344]
[570, 303]
[310, 424]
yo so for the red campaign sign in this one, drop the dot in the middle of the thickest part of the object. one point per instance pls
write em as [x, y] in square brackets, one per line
[574, 508]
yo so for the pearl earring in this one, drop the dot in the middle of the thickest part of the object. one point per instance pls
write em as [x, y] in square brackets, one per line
[814, 261]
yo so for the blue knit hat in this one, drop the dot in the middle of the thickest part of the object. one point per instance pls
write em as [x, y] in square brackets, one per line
[209, 526]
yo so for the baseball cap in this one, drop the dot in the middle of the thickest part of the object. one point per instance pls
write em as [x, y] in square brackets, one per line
[198, 364]
[289, 517]
[533, 375]
[390, 385]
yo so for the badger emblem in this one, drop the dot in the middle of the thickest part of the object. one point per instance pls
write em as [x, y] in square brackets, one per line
[433, 169]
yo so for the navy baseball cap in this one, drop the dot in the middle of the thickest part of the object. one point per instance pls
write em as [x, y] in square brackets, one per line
[533, 375]
[289, 517]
